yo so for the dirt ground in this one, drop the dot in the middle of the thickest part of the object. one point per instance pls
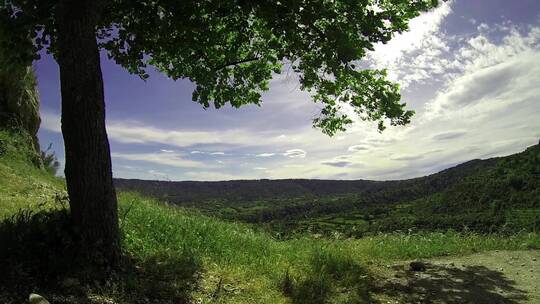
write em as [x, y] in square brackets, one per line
[492, 278]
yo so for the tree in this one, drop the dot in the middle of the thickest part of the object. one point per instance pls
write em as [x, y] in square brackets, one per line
[229, 49]
[50, 161]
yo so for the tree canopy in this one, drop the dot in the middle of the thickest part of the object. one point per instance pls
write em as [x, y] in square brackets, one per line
[231, 48]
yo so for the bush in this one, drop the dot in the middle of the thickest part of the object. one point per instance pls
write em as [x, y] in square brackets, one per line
[37, 247]
[50, 161]
[516, 181]
[2, 147]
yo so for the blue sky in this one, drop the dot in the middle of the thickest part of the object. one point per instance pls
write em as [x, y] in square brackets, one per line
[469, 69]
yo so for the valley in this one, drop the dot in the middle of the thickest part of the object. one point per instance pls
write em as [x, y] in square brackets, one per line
[493, 195]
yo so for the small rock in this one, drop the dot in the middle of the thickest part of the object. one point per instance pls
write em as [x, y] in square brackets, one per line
[34, 298]
[522, 265]
[534, 259]
[417, 266]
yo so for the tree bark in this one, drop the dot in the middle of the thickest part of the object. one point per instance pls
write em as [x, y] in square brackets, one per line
[88, 162]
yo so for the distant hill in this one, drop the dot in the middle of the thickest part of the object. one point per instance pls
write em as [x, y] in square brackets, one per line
[248, 190]
[483, 195]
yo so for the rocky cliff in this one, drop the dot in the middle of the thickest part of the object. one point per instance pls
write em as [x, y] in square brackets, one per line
[19, 101]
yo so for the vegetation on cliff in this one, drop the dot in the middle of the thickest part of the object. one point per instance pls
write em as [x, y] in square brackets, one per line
[19, 99]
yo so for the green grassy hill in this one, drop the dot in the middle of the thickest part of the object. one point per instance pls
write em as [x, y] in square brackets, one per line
[493, 195]
[177, 255]
[250, 191]
[22, 185]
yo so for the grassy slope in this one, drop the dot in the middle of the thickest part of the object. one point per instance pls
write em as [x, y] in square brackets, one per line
[174, 255]
[21, 184]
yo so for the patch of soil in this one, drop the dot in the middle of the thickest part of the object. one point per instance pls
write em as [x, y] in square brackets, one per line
[496, 277]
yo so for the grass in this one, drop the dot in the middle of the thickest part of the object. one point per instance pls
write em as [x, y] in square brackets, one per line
[249, 264]
[22, 185]
[251, 261]
[174, 255]
[171, 253]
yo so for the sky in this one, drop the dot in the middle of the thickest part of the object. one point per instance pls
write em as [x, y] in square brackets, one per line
[470, 69]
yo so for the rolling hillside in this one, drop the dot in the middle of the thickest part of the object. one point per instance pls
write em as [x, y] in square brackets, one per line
[180, 192]
[483, 195]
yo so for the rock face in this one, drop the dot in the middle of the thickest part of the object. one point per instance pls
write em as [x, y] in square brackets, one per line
[19, 100]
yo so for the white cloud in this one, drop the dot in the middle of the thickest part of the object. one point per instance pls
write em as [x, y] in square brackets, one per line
[218, 153]
[166, 159]
[357, 148]
[295, 153]
[294, 166]
[449, 135]
[482, 27]
[130, 132]
[409, 55]
[492, 78]
[339, 161]
[211, 176]
[407, 157]
[166, 151]
[50, 121]
[265, 154]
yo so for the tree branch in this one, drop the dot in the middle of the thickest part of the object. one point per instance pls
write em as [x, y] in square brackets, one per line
[233, 63]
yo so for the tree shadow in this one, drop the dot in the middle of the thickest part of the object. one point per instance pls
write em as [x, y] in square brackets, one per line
[330, 277]
[39, 253]
[451, 284]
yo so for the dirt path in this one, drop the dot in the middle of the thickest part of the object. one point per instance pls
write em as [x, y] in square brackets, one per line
[491, 278]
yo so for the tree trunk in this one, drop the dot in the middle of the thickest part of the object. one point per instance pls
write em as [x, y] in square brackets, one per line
[88, 161]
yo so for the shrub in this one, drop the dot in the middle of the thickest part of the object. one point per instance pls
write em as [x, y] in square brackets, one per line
[36, 247]
[516, 181]
[50, 161]
[2, 147]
